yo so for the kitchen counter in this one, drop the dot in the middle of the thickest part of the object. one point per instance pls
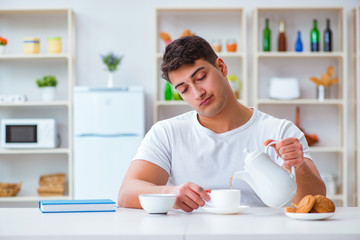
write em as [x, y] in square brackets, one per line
[254, 223]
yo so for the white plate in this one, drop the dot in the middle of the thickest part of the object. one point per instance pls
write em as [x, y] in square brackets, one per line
[239, 209]
[309, 216]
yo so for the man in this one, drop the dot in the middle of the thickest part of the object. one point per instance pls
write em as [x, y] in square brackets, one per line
[201, 149]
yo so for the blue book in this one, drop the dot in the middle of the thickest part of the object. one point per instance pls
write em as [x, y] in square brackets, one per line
[88, 205]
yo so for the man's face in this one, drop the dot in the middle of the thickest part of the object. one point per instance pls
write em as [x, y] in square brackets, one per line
[203, 86]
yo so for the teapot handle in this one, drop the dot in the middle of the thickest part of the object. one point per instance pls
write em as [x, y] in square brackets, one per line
[266, 151]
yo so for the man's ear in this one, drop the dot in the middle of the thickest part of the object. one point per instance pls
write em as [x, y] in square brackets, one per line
[220, 64]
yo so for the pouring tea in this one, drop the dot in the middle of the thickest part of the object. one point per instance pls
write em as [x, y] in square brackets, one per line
[274, 185]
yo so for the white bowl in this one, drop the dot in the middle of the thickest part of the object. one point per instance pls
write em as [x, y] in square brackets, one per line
[157, 203]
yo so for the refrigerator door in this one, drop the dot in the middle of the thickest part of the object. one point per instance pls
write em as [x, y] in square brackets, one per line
[100, 165]
[108, 111]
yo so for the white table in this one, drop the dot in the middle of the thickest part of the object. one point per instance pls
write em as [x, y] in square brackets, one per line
[255, 223]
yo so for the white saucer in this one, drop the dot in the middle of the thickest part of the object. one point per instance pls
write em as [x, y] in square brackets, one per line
[239, 209]
[309, 216]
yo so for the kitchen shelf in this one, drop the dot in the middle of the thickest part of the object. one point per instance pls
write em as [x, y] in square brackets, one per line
[356, 81]
[219, 54]
[326, 149]
[177, 103]
[35, 151]
[28, 165]
[300, 54]
[301, 102]
[32, 198]
[210, 24]
[303, 65]
[36, 104]
[42, 56]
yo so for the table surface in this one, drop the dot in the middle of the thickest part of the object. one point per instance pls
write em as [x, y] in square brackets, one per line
[254, 223]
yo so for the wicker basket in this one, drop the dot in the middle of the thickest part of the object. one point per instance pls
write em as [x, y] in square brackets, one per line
[52, 185]
[52, 178]
[9, 189]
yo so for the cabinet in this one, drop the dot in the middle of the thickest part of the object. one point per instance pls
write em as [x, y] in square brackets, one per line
[356, 17]
[18, 73]
[212, 24]
[319, 117]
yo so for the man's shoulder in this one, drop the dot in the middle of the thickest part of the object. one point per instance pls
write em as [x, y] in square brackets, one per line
[179, 120]
[265, 118]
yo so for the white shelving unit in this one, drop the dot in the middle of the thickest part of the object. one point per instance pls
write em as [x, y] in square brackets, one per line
[357, 100]
[211, 24]
[18, 73]
[330, 153]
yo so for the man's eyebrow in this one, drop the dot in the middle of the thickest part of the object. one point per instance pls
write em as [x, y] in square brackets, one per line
[192, 75]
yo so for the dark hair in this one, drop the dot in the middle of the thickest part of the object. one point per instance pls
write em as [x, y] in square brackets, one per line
[185, 51]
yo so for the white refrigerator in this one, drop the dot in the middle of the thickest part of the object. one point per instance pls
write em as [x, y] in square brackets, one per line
[109, 125]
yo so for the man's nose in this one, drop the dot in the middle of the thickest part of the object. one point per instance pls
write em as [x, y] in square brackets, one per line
[199, 93]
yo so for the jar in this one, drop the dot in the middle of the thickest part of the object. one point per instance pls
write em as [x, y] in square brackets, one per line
[231, 45]
[31, 45]
[54, 44]
[216, 45]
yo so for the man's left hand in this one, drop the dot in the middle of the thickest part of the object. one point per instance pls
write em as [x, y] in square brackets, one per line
[290, 150]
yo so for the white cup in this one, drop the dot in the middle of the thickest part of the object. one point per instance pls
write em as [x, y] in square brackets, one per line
[225, 198]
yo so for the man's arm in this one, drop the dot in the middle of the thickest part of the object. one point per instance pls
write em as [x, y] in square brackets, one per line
[308, 178]
[146, 177]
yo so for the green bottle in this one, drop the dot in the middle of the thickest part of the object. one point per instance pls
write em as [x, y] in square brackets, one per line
[267, 37]
[168, 92]
[315, 38]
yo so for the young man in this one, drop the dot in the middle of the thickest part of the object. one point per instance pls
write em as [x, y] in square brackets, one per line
[201, 149]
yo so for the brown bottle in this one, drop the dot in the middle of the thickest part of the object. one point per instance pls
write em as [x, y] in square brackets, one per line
[282, 37]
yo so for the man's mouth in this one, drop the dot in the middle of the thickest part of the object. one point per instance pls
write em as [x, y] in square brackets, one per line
[206, 101]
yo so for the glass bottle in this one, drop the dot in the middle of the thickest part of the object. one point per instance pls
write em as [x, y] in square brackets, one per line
[314, 38]
[282, 37]
[267, 37]
[168, 92]
[298, 44]
[327, 37]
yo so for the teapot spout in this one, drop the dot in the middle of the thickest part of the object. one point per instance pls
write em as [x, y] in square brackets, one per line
[244, 175]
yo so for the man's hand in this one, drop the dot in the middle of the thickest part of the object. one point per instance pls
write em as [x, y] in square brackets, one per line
[290, 150]
[190, 197]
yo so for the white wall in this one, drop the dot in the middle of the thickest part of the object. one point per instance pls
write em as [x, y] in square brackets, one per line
[127, 28]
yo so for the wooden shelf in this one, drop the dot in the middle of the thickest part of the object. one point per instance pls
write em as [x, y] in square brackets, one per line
[299, 54]
[35, 151]
[300, 102]
[40, 56]
[35, 11]
[282, 64]
[326, 149]
[36, 162]
[208, 23]
[32, 198]
[336, 197]
[356, 83]
[36, 104]
[220, 55]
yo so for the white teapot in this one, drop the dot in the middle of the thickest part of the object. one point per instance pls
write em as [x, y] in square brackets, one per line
[274, 185]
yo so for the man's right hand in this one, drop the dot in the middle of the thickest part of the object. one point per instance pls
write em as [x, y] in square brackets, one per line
[190, 197]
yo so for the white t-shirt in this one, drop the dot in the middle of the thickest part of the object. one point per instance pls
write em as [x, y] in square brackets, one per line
[190, 152]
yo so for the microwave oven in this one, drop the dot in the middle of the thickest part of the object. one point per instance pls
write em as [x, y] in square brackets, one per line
[28, 133]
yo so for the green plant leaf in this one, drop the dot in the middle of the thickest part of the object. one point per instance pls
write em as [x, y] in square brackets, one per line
[111, 61]
[47, 81]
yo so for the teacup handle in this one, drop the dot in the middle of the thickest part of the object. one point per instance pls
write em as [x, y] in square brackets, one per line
[266, 151]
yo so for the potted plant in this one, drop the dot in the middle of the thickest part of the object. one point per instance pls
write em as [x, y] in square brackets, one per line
[48, 85]
[111, 61]
[3, 43]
